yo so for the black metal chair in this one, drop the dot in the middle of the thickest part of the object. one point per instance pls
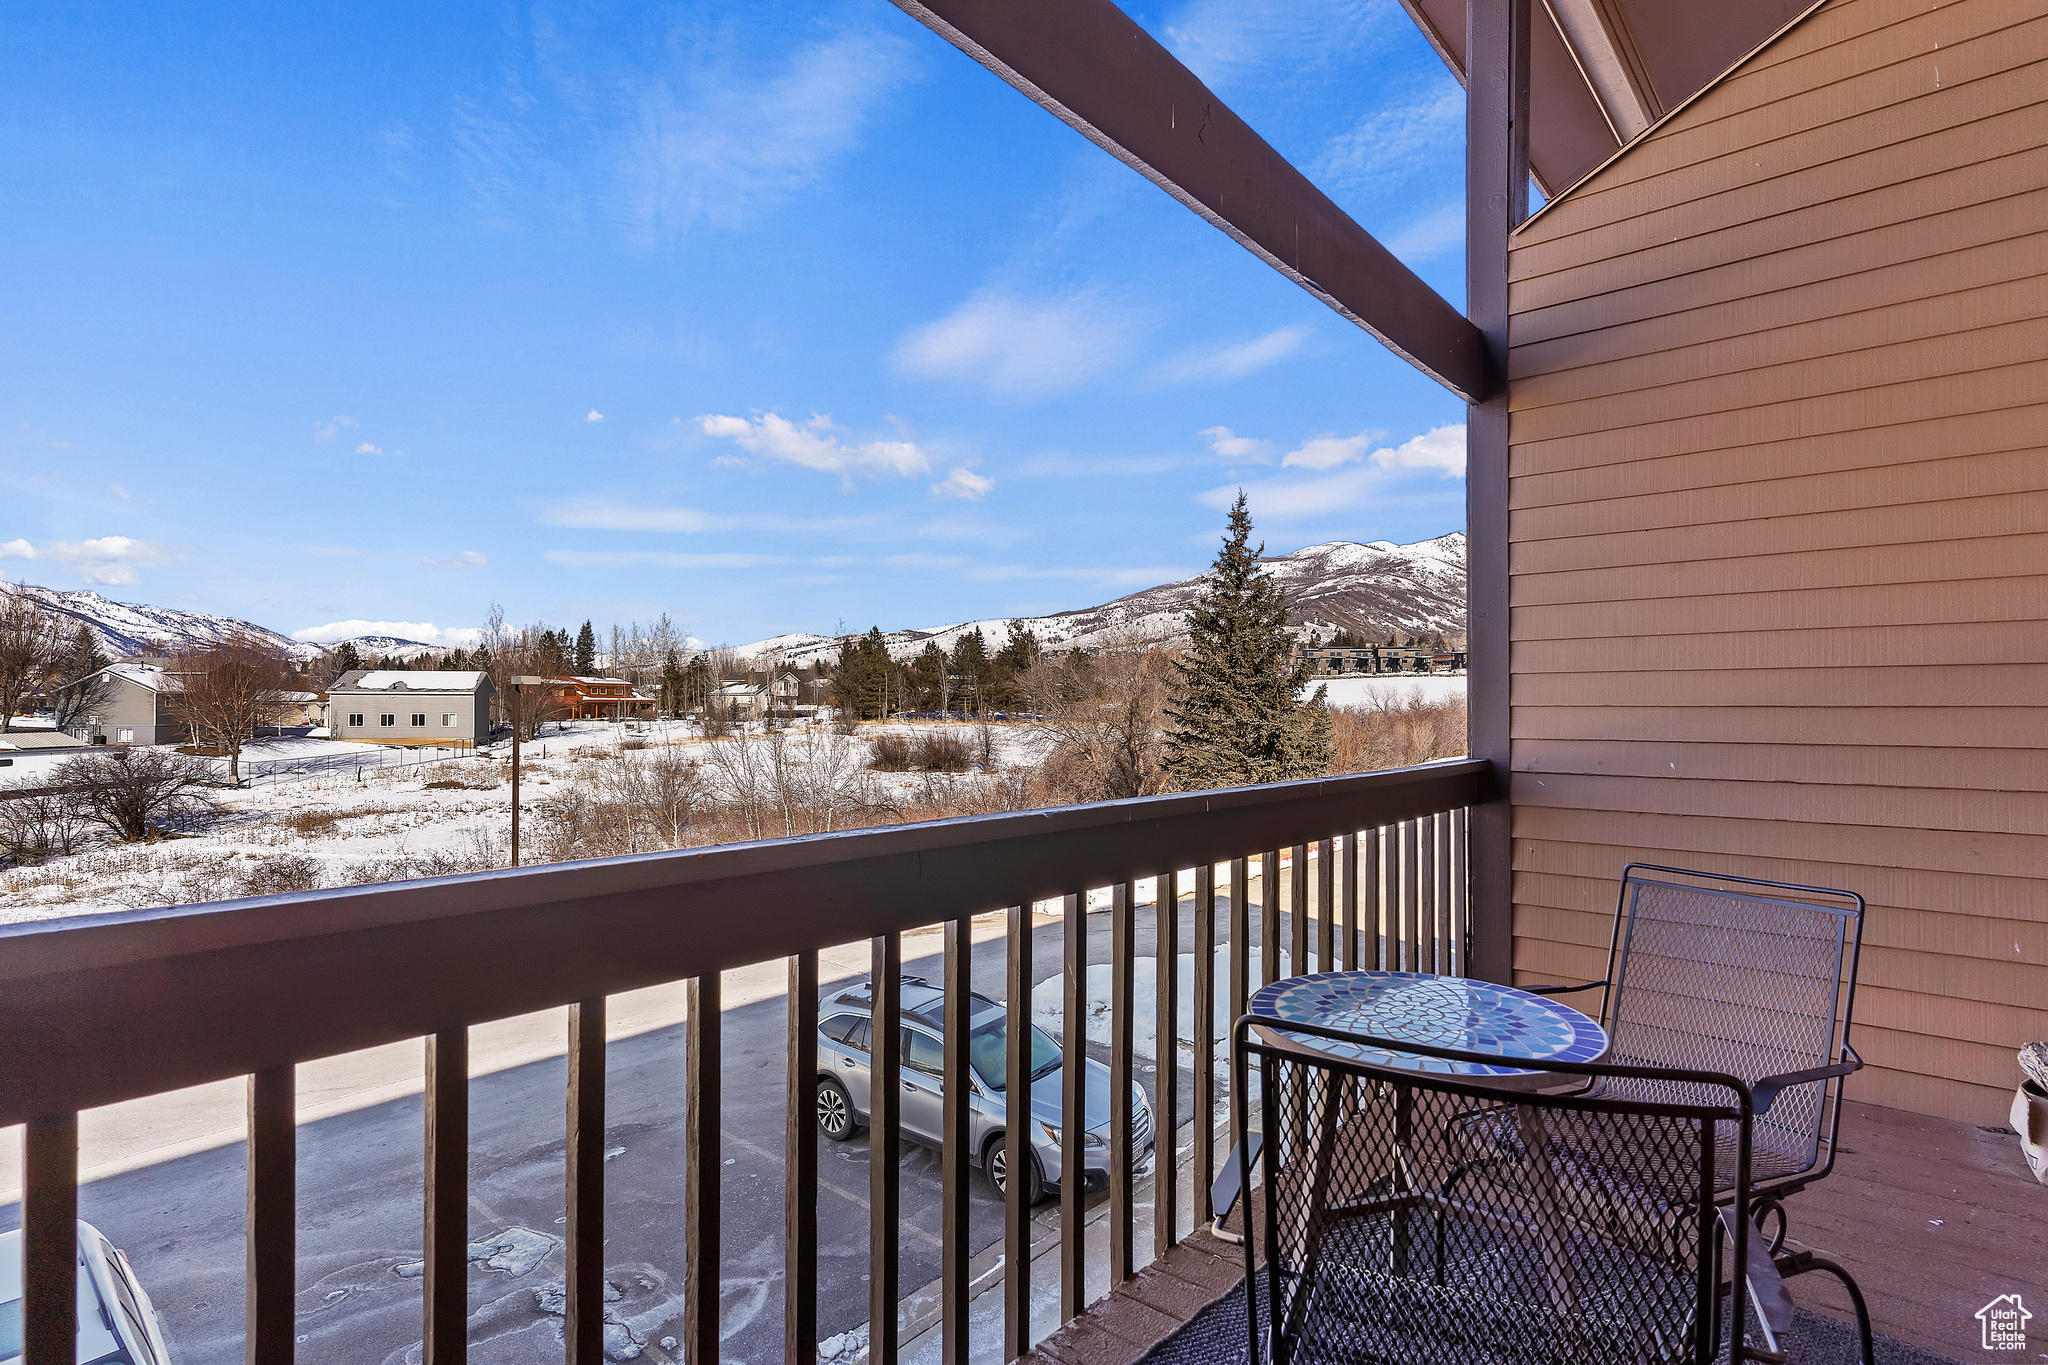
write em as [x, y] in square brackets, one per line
[1382, 1243]
[1754, 979]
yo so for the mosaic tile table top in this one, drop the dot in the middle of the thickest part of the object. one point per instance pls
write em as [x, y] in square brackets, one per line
[1439, 1011]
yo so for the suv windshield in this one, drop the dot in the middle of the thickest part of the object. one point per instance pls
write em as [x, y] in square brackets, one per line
[986, 1046]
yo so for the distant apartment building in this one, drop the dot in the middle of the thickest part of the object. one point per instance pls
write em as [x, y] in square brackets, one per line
[397, 706]
[1344, 661]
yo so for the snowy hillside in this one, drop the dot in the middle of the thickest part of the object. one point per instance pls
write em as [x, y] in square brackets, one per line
[390, 647]
[126, 628]
[1372, 589]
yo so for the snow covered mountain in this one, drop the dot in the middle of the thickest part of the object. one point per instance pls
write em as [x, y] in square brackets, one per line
[390, 647]
[126, 628]
[1372, 589]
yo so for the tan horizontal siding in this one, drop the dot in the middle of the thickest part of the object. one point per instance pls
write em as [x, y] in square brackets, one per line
[1818, 377]
[2000, 600]
[2001, 727]
[1796, 246]
[1951, 684]
[1997, 642]
[1995, 506]
[2002, 247]
[2015, 383]
[1942, 297]
[1987, 116]
[1928, 561]
[1853, 765]
[1953, 437]
[1810, 803]
[1779, 523]
[1727, 842]
[1564, 872]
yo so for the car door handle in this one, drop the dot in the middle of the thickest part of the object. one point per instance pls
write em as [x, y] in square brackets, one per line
[846, 1062]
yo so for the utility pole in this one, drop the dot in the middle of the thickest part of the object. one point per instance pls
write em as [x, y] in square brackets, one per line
[518, 715]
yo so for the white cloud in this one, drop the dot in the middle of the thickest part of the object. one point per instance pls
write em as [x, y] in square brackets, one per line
[1423, 138]
[120, 492]
[426, 632]
[813, 445]
[613, 559]
[600, 515]
[367, 449]
[962, 482]
[1233, 361]
[1101, 577]
[1287, 499]
[1232, 446]
[593, 416]
[332, 427]
[1430, 235]
[108, 561]
[1223, 40]
[467, 557]
[1021, 349]
[1327, 452]
[719, 142]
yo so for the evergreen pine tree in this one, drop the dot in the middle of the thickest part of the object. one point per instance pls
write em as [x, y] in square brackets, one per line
[1019, 652]
[864, 678]
[925, 684]
[586, 651]
[970, 665]
[1235, 711]
[675, 684]
[344, 658]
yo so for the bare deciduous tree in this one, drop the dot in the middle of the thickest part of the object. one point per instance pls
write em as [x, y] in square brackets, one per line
[519, 652]
[224, 691]
[78, 687]
[1105, 713]
[1395, 731]
[29, 640]
[129, 790]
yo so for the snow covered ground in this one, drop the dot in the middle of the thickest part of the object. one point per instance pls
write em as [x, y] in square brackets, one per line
[1365, 691]
[338, 818]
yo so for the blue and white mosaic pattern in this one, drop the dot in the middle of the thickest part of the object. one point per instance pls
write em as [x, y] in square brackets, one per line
[1439, 1011]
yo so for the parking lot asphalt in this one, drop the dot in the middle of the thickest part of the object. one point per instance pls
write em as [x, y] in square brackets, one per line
[359, 1219]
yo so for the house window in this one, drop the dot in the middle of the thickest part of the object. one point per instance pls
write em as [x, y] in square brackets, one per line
[124, 736]
[387, 719]
[355, 718]
[419, 718]
[448, 720]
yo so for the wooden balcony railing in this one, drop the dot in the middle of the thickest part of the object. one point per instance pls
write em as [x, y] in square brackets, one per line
[114, 1007]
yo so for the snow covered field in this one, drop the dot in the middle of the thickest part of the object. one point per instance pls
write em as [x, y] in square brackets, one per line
[1365, 691]
[332, 823]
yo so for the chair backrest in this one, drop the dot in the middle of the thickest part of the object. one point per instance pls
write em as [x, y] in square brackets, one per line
[1745, 977]
[1410, 1215]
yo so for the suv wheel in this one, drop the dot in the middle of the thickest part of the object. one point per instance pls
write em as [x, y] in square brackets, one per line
[996, 1161]
[835, 1111]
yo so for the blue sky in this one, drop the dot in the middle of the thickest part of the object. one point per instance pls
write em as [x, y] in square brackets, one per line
[770, 316]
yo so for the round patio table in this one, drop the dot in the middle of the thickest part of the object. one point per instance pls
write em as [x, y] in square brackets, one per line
[1523, 1030]
[1450, 1012]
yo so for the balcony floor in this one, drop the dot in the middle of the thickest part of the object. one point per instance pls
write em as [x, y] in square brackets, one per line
[1934, 1218]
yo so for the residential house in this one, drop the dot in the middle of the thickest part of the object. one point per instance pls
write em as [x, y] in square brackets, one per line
[753, 696]
[397, 706]
[137, 709]
[602, 699]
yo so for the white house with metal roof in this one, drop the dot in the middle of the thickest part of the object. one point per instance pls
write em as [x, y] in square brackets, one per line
[399, 706]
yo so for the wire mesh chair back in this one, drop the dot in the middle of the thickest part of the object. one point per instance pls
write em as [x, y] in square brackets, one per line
[1587, 1235]
[1748, 978]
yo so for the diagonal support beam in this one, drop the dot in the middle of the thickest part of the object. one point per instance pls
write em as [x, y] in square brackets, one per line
[1104, 76]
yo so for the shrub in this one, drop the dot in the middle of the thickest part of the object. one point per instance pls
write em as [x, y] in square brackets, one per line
[940, 752]
[36, 828]
[1395, 731]
[892, 754]
[281, 873]
[137, 792]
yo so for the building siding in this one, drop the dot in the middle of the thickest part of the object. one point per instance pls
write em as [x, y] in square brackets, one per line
[1780, 523]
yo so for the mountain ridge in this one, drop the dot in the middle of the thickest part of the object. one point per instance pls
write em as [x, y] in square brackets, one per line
[1370, 588]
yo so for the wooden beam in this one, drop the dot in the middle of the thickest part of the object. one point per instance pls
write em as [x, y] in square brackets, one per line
[1094, 68]
[1496, 200]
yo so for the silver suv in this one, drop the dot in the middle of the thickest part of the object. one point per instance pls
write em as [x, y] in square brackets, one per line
[845, 1023]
